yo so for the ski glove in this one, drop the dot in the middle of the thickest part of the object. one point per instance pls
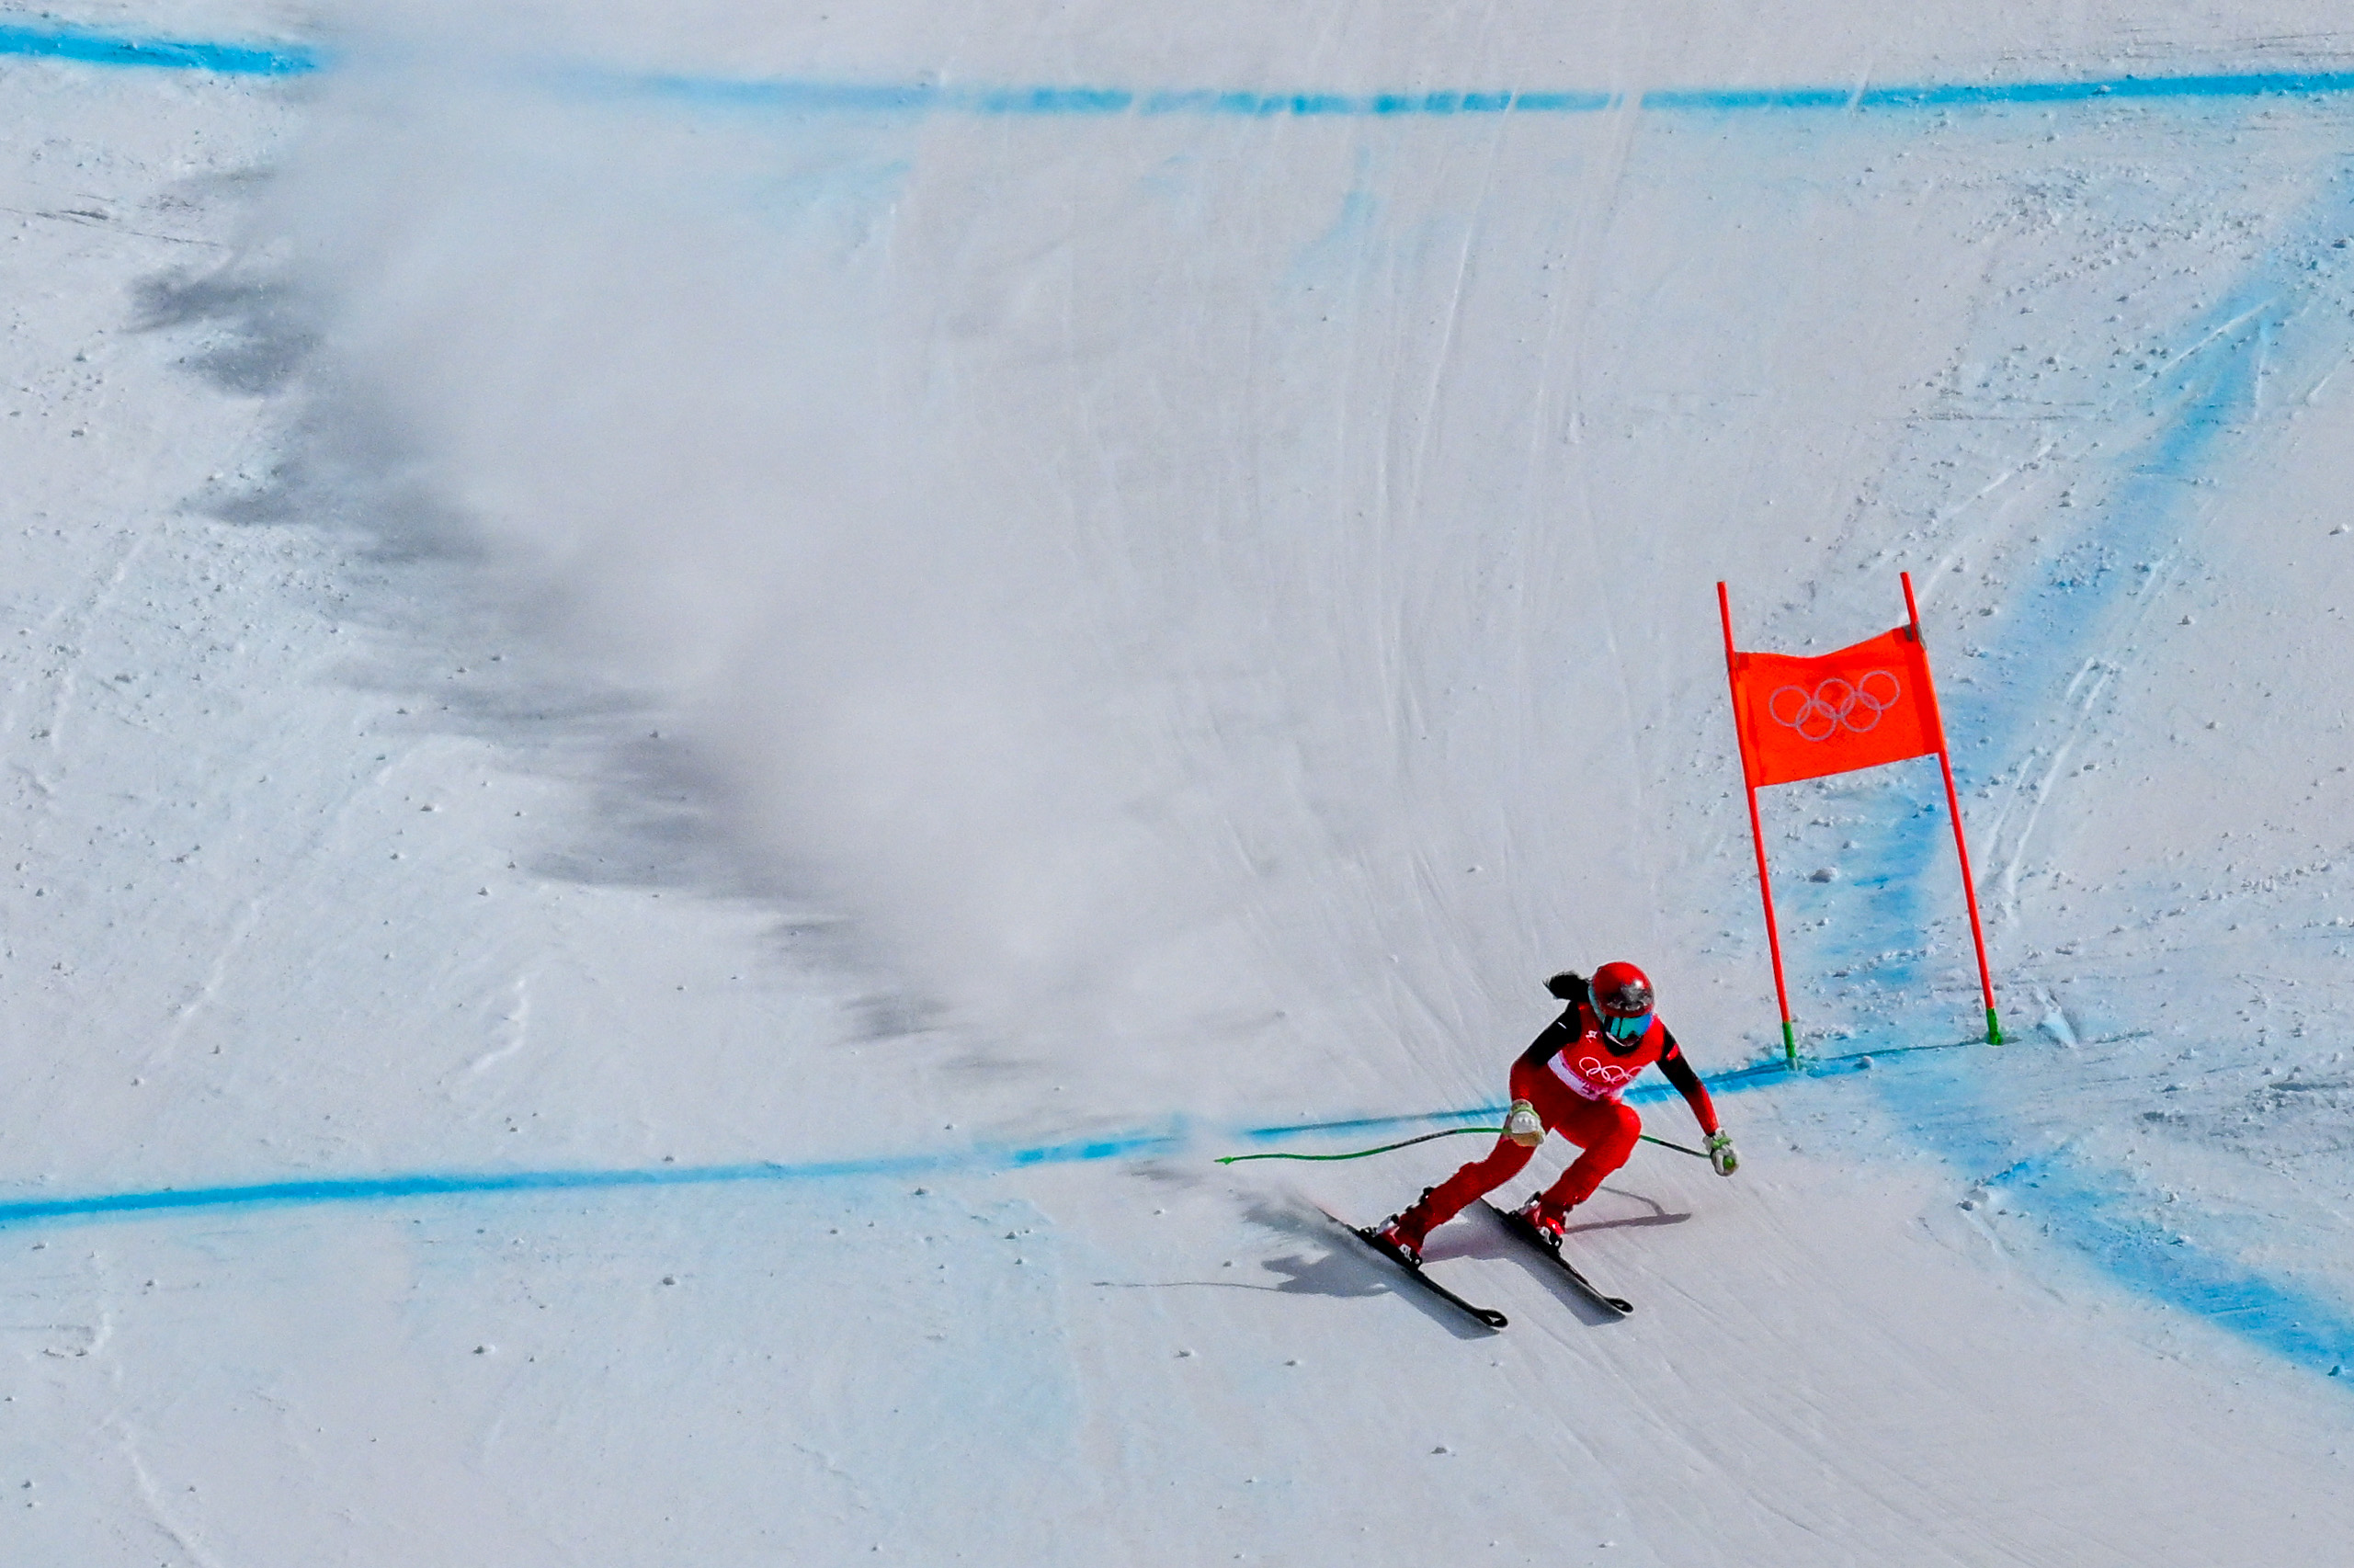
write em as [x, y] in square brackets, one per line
[1568, 986]
[1523, 1127]
[1720, 1155]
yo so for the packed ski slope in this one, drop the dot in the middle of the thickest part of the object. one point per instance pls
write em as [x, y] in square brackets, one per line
[695, 699]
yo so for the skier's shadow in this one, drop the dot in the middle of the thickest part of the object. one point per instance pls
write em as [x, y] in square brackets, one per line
[1349, 1270]
[1497, 1242]
[1658, 1215]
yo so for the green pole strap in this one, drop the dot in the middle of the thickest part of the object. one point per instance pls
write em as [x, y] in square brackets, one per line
[1449, 1133]
[1993, 1028]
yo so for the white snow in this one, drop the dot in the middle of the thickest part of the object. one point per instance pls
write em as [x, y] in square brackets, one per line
[683, 738]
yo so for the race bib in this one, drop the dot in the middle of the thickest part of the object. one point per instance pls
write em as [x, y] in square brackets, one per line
[1589, 1073]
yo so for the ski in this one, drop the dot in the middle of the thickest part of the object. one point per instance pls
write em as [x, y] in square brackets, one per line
[1586, 1288]
[1488, 1317]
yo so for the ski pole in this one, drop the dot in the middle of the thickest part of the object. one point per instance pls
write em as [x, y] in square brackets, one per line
[1449, 1133]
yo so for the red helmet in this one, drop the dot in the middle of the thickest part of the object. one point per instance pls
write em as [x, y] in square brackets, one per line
[1621, 991]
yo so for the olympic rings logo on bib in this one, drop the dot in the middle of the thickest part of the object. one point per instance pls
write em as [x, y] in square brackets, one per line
[1854, 706]
[1591, 1078]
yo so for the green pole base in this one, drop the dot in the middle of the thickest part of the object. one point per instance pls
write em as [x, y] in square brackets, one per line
[1993, 1028]
[1790, 1043]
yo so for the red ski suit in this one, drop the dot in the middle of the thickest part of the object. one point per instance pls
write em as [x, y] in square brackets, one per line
[1573, 1075]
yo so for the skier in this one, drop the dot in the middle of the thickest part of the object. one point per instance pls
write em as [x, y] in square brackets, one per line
[1569, 1081]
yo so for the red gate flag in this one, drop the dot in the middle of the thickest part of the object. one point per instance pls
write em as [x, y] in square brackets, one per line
[1804, 718]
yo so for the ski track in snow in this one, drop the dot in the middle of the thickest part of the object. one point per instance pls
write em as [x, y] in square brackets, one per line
[2075, 615]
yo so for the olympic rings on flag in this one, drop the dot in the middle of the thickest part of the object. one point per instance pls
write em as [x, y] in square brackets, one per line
[1854, 706]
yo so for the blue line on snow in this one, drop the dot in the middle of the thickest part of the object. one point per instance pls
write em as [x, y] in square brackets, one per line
[788, 93]
[1957, 94]
[1719, 1085]
[2169, 1266]
[2290, 308]
[808, 97]
[396, 1189]
[99, 48]
[1168, 1140]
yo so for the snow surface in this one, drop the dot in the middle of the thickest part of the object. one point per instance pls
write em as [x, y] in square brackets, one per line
[696, 695]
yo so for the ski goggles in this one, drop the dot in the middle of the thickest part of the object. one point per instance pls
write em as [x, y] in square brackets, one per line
[1625, 1029]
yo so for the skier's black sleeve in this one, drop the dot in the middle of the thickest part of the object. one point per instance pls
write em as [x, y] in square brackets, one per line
[1569, 986]
[1558, 1033]
[1687, 1083]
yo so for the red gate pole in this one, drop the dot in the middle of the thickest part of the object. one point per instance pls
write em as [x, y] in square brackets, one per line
[1953, 809]
[1757, 831]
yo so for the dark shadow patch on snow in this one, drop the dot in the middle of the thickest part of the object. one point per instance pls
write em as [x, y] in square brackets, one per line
[1587, 1312]
[1194, 1284]
[1630, 1223]
[1660, 1214]
[459, 640]
[1337, 1274]
[261, 327]
[1346, 1270]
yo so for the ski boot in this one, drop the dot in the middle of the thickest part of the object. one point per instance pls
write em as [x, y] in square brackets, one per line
[1404, 1230]
[1544, 1219]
